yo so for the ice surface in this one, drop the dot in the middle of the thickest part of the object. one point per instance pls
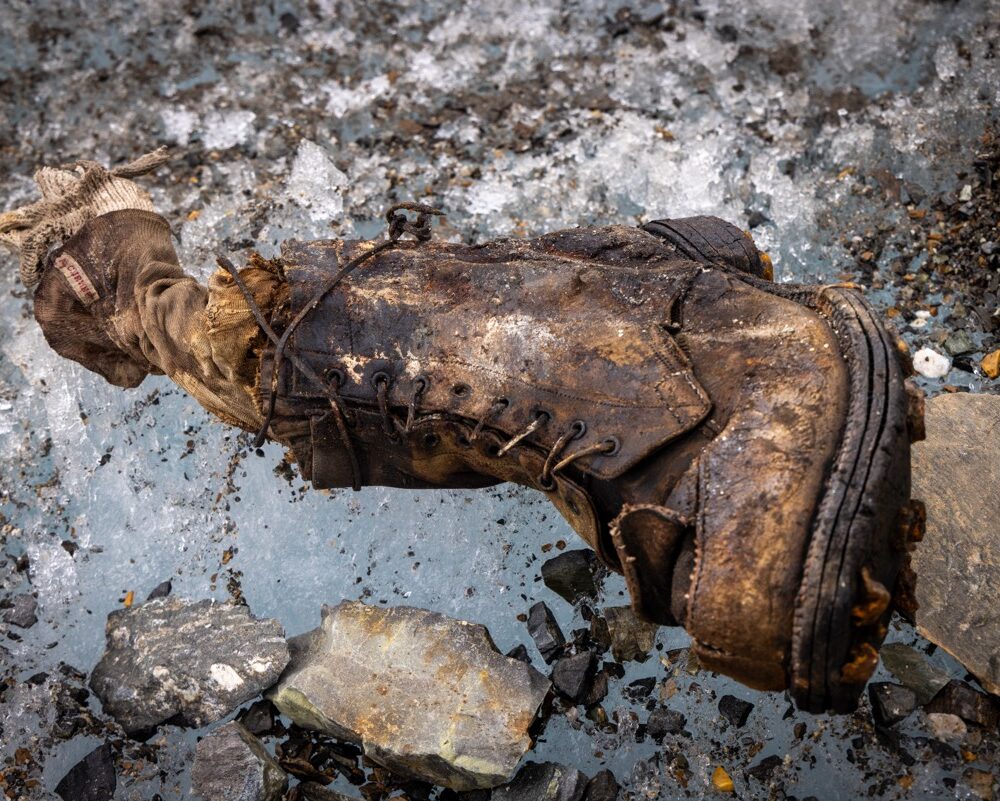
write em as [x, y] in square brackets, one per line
[518, 118]
[315, 183]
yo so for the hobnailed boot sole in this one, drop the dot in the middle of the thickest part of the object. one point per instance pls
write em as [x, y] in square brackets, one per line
[855, 551]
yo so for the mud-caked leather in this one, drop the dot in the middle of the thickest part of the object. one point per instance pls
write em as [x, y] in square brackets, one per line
[737, 448]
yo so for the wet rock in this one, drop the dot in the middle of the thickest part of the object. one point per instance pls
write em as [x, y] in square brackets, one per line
[598, 689]
[946, 727]
[312, 791]
[230, 764]
[764, 769]
[22, 612]
[161, 590]
[958, 698]
[192, 663]
[640, 689]
[520, 653]
[603, 787]
[600, 634]
[931, 364]
[631, 638]
[950, 469]
[572, 575]
[91, 779]
[544, 781]
[663, 721]
[572, 675]
[735, 710]
[259, 718]
[913, 670]
[357, 675]
[545, 631]
[891, 702]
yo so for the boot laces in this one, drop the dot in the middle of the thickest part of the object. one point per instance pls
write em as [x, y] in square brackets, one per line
[398, 224]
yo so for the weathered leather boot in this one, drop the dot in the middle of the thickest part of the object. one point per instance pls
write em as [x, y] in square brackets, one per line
[739, 449]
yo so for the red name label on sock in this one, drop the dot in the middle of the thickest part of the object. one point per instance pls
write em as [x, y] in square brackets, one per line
[77, 278]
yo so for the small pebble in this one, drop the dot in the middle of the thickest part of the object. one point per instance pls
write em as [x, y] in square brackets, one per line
[931, 364]
[945, 726]
[991, 364]
[721, 780]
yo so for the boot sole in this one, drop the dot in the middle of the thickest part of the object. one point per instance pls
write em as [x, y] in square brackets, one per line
[854, 553]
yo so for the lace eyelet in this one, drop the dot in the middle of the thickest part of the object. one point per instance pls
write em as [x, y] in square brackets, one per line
[380, 377]
[463, 441]
[431, 439]
[420, 384]
[579, 428]
[546, 484]
[336, 376]
[541, 414]
[616, 446]
[461, 390]
[493, 450]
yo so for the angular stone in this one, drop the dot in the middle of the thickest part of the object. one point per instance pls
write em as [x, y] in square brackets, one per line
[951, 468]
[603, 787]
[663, 721]
[631, 638]
[735, 710]
[520, 653]
[958, 343]
[191, 663]
[426, 695]
[598, 689]
[91, 779]
[22, 612]
[161, 590]
[991, 364]
[572, 575]
[913, 670]
[545, 631]
[764, 769]
[958, 698]
[890, 702]
[544, 781]
[259, 718]
[572, 675]
[230, 764]
[640, 689]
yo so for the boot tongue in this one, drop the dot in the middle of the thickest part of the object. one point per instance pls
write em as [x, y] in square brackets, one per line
[649, 540]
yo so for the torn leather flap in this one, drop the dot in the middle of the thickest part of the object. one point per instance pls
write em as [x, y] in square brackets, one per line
[512, 337]
[648, 540]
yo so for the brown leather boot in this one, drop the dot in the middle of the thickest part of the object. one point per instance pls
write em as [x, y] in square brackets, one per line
[737, 448]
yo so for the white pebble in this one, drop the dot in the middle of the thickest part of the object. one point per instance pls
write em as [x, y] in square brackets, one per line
[931, 364]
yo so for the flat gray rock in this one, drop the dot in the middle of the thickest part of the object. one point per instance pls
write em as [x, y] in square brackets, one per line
[956, 473]
[191, 663]
[230, 764]
[22, 611]
[427, 696]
